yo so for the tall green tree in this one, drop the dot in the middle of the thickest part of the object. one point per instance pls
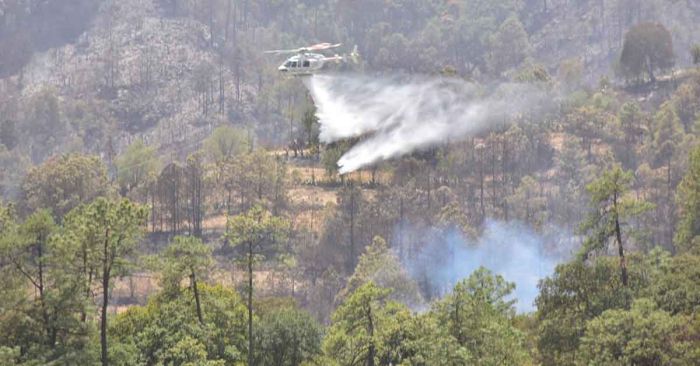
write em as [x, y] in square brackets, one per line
[509, 46]
[370, 329]
[630, 120]
[667, 134]
[381, 266]
[41, 301]
[667, 138]
[587, 123]
[330, 158]
[643, 335]
[287, 337]
[673, 281]
[111, 229]
[166, 330]
[225, 143]
[187, 257]
[686, 103]
[224, 148]
[528, 203]
[136, 166]
[23, 250]
[259, 233]
[687, 238]
[478, 315]
[45, 125]
[196, 196]
[611, 208]
[259, 178]
[695, 53]
[648, 47]
[353, 338]
[351, 202]
[421, 340]
[575, 293]
[29, 256]
[311, 129]
[64, 182]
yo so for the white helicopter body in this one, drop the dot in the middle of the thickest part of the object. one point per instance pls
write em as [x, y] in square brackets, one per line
[306, 62]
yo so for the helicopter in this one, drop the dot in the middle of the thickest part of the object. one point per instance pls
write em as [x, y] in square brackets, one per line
[308, 62]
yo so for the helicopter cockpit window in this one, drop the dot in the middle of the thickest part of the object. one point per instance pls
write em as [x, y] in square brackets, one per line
[307, 63]
[294, 64]
[288, 64]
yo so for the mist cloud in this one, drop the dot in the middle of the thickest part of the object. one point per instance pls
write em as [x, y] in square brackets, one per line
[437, 259]
[396, 116]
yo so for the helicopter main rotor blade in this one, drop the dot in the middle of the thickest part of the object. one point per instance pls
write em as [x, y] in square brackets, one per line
[323, 46]
[316, 47]
[284, 51]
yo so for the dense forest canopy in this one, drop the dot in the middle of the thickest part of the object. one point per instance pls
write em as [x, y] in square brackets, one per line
[168, 198]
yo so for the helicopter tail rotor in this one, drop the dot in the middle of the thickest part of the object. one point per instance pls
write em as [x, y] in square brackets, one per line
[354, 55]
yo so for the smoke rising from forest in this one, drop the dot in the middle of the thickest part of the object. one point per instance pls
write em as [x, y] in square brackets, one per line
[396, 116]
[441, 258]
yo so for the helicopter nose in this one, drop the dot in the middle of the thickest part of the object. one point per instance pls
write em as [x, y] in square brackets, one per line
[282, 68]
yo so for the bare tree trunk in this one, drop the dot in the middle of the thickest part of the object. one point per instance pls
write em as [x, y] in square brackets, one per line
[211, 23]
[228, 21]
[493, 174]
[222, 86]
[481, 184]
[429, 198]
[352, 231]
[669, 198]
[372, 350]
[88, 281]
[193, 278]
[153, 211]
[106, 269]
[504, 179]
[50, 333]
[250, 303]
[620, 249]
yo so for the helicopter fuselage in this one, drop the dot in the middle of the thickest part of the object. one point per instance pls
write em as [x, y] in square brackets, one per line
[306, 64]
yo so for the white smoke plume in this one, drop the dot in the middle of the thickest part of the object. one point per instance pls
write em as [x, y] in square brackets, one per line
[438, 259]
[396, 116]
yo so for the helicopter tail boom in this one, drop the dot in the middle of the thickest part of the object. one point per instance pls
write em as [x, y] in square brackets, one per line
[353, 57]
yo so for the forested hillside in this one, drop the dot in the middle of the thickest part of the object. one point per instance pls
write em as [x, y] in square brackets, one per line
[169, 198]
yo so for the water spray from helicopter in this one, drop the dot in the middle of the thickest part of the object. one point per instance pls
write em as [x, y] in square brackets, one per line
[397, 115]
